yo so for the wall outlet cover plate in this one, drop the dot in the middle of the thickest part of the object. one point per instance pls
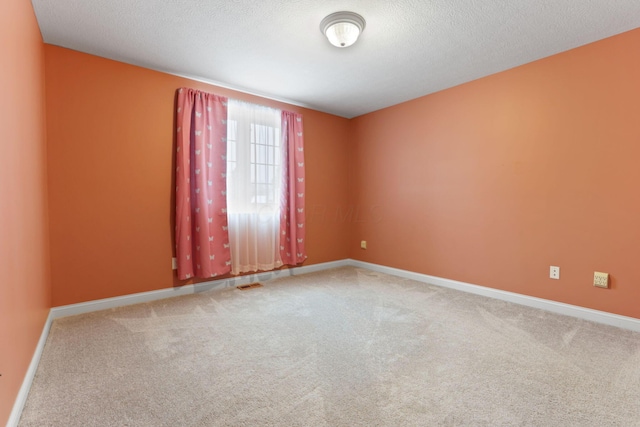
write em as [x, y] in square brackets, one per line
[601, 280]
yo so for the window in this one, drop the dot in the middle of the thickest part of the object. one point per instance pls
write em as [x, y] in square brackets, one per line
[254, 158]
[254, 186]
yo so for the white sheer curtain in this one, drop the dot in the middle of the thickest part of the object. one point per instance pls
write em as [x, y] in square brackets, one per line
[254, 186]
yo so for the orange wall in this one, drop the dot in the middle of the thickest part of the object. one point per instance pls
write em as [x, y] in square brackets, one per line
[493, 181]
[110, 134]
[24, 259]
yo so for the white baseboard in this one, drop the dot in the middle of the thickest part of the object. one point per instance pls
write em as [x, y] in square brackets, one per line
[16, 412]
[103, 304]
[597, 316]
[107, 303]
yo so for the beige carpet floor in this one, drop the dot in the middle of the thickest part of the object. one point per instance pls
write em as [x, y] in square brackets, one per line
[344, 347]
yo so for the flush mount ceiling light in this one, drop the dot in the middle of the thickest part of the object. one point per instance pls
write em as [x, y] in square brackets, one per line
[342, 28]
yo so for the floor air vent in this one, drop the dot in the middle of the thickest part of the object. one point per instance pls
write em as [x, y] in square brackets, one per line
[249, 286]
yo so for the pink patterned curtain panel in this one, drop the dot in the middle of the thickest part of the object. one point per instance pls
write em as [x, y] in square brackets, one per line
[292, 214]
[202, 239]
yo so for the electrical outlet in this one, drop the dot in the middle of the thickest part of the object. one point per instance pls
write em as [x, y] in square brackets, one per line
[174, 263]
[363, 244]
[554, 272]
[601, 280]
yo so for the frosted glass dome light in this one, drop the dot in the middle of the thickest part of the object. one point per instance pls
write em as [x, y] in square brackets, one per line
[342, 28]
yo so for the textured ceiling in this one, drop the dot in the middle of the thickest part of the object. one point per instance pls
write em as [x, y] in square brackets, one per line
[274, 48]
